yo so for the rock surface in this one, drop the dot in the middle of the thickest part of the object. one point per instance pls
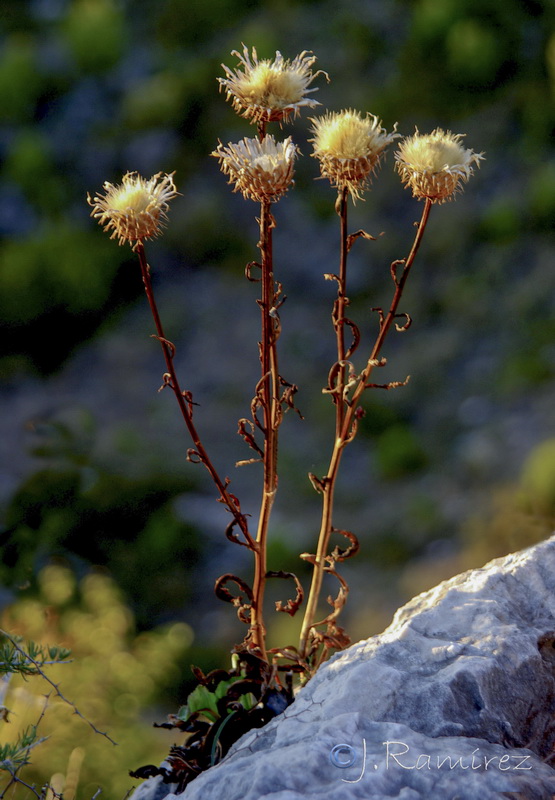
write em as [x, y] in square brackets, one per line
[454, 701]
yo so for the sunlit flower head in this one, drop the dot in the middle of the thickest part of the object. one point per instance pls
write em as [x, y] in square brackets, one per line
[270, 90]
[349, 148]
[434, 165]
[261, 170]
[136, 209]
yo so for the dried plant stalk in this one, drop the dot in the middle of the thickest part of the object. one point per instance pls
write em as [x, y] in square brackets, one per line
[346, 396]
[184, 401]
[269, 400]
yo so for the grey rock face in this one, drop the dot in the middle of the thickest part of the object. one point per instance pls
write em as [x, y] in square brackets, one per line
[454, 701]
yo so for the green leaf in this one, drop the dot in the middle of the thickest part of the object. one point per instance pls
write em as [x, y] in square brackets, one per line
[203, 701]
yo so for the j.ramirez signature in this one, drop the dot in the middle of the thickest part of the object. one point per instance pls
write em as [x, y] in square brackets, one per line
[397, 755]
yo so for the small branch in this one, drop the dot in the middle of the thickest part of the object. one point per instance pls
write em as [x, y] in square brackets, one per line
[55, 686]
[16, 779]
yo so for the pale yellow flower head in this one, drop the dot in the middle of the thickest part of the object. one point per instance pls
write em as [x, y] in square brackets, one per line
[270, 90]
[261, 170]
[136, 209]
[434, 165]
[349, 148]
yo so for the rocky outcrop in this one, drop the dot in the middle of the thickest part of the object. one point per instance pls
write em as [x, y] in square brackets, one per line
[456, 699]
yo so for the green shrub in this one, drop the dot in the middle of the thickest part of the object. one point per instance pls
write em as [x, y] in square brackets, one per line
[114, 680]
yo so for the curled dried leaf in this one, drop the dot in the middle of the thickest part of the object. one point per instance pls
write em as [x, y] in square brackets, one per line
[317, 483]
[331, 387]
[234, 537]
[358, 234]
[295, 662]
[352, 430]
[248, 271]
[388, 386]
[188, 396]
[408, 322]
[336, 602]
[351, 550]
[242, 601]
[400, 262]
[166, 342]
[166, 381]
[292, 606]
[248, 435]
[356, 337]
[288, 395]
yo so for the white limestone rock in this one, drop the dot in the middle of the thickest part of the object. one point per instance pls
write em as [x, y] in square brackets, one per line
[456, 699]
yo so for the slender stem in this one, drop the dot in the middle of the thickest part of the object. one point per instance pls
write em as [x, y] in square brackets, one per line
[339, 311]
[346, 434]
[171, 380]
[271, 412]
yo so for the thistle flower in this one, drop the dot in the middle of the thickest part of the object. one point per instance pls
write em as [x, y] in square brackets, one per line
[268, 90]
[434, 165]
[136, 209]
[349, 148]
[261, 170]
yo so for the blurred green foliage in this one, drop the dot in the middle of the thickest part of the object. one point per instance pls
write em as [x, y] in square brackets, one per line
[115, 679]
[476, 49]
[20, 81]
[398, 452]
[79, 508]
[95, 33]
[44, 267]
[521, 514]
[538, 482]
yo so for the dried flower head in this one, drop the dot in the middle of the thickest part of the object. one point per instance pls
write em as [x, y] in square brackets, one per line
[270, 90]
[261, 170]
[434, 165]
[349, 148]
[136, 209]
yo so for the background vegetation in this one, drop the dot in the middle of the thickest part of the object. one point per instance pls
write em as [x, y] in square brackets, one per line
[457, 467]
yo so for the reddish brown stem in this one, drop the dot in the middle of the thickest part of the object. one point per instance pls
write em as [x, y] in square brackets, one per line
[261, 129]
[271, 407]
[171, 380]
[346, 433]
[339, 311]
